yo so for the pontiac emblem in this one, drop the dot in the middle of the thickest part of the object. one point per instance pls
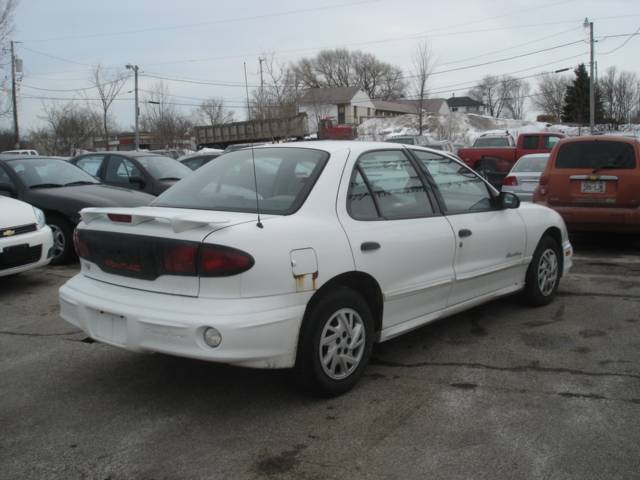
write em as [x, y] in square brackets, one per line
[8, 233]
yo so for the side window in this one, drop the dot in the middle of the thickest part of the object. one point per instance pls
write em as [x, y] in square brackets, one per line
[549, 142]
[360, 204]
[395, 185]
[5, 178]
[91, 164]
[119, 169]
[530, 142]
[461, 189]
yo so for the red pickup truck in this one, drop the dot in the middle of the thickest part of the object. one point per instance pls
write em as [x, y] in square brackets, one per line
[493, 155]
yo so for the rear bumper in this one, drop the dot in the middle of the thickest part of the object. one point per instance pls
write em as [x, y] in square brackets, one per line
[256, 332]
[41, 237]
[600, 219]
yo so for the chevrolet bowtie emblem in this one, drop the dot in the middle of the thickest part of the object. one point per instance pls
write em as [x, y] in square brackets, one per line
[8, 233]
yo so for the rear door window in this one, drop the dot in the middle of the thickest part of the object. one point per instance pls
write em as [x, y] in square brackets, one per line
[395, 185]
[597, 154]
[119, 170]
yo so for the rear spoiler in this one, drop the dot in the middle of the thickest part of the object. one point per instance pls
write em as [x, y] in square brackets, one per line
[179, 223]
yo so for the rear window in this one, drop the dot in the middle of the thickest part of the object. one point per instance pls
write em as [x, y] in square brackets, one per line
[284, 176]
[530, 142]
[404, 140]
[596, 154]
[492, 142]
[531, 164]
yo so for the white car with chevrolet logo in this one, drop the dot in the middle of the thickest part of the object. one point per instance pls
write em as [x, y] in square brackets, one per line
[25, 240]
[356, 243]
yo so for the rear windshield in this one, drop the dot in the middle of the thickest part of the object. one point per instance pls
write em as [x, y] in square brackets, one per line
[531, 164]
[492, 142]
[284, 176]
[596, 154]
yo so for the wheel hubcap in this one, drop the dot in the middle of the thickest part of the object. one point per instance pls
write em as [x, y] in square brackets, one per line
[547, 272]
[342, 344]
[59, 241]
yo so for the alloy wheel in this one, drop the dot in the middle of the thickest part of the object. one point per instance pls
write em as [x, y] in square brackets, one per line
[59, 240]
[342, 343]
[547, 271]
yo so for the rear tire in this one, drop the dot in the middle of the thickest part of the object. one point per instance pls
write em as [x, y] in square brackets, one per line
[335, 343]
[62, 239]
[543, 274]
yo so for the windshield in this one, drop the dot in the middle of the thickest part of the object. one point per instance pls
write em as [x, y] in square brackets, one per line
[161, 167]
[492, 142]
[49, 172]
[285, 177]
[531, 164]
[596, 154]
[405, 140]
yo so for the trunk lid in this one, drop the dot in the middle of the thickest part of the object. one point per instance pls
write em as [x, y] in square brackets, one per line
[134, 247]
[602, 173]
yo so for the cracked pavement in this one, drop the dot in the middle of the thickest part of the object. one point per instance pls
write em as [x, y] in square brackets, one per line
[500, 391]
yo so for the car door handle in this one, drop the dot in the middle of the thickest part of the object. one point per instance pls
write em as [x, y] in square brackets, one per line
[369, 246]
[465, 232]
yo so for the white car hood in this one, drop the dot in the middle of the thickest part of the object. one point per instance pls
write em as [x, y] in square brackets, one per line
[14, 213]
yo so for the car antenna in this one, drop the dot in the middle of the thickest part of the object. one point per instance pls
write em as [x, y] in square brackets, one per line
[253, 157]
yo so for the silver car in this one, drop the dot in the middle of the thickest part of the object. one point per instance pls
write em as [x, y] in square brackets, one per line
[523, 178]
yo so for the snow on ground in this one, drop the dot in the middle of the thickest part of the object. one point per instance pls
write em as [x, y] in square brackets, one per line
[463, 128]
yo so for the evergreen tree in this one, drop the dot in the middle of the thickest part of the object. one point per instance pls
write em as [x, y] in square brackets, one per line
[576, 99]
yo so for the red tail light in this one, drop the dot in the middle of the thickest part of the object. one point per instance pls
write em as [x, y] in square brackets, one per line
[542, 186]
[116, 217]
[180, 259]
[221, 261]
[82, 249]
[510, 181]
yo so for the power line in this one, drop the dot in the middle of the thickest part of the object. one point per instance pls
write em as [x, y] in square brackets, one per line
[630, 37]
[71, 89]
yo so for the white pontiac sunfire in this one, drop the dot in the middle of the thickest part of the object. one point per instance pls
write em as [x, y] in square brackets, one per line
[358, 242]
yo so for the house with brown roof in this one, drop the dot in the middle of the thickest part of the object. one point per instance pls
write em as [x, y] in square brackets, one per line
[345, 105]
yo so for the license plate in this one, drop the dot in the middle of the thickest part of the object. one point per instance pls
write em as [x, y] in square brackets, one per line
[109, 327]
[592, 187]
[529, 186]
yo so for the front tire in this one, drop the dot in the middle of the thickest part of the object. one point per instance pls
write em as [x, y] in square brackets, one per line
[543, 274]
[62, 230]
[335, 343]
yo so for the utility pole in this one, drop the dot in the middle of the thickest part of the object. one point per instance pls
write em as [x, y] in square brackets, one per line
[260, 60]
[592, 91]
[137, 111]
[14, 99]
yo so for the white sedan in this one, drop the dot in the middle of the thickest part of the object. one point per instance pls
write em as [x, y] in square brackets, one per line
[26, 242]
[304, 255]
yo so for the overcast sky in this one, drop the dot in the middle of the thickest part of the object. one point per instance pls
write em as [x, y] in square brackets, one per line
[209, 40]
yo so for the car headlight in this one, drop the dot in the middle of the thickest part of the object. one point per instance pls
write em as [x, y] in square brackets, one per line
[41, 221]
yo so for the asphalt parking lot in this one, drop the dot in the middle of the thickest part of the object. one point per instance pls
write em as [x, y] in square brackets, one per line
[501, 391]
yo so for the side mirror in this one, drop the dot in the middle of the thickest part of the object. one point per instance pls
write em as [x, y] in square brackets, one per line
[7, 190]
[508, 200]
[137, 180]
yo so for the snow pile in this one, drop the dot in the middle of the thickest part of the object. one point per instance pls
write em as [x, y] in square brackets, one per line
[460, 128]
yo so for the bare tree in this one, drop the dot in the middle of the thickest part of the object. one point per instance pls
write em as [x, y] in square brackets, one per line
[213, 111]
[162, 118]
[345, 68]
[108, 87]
[69, 126]
[423, 66]
[620, 95]
[518, 93]
[549, 97]
[488, 92]
[7, 11]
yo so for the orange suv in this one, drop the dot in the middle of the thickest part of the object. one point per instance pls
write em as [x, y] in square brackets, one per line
[594, 183]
